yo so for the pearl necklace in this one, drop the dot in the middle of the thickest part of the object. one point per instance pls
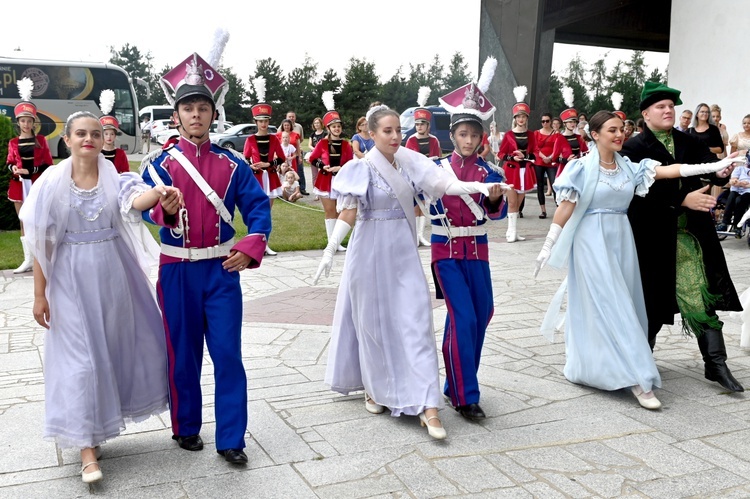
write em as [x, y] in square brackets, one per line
[607, 162]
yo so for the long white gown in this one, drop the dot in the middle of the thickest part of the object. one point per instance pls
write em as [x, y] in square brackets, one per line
[383, 339]
[105, 351]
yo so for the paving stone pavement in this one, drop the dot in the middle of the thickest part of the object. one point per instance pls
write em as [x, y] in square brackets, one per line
[544, 437]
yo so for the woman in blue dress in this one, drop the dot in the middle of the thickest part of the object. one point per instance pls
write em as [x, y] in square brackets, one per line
[606, 343]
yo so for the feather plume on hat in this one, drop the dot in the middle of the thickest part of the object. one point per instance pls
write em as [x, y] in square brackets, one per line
[328, 100]
[106, 101]
[487, 73]
[616, 100]
[25, 87]
[259, 85]
[520, 93]
[221, 37]
[422, 95]
[568, 96]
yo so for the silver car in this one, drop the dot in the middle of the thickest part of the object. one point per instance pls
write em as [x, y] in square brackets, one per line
[235, 137]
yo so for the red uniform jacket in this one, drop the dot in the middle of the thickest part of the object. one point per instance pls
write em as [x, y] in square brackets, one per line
[275, 152]
[42, 156]
[508, 146]
[321, 152]
[411, 143]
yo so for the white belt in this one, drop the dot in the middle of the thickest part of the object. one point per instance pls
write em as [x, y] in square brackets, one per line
[439, 230]
[195, 254]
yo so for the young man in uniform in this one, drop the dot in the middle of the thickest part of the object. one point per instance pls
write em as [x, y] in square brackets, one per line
[460, 253]
[199, 283]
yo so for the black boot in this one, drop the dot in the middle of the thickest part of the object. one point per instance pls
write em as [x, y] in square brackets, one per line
[711, 344]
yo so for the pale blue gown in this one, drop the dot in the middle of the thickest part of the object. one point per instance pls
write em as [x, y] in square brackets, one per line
[606, 341]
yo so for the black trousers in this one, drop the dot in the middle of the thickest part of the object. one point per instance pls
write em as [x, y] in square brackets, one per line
[541, 185]
[737, 205]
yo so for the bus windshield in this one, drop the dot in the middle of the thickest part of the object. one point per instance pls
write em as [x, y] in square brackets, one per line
[62, 88]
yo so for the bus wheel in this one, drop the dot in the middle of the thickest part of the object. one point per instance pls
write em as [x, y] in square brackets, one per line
[62, 149]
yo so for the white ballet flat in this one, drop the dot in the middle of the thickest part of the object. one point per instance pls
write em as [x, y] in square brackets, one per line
[92, 477]
[372, 407]
[436, 432]
[647, 399]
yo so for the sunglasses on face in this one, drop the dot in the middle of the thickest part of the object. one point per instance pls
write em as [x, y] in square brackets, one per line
[545, 121]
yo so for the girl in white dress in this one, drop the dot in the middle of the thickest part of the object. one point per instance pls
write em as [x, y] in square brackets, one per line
[105, 354]
[383, 339]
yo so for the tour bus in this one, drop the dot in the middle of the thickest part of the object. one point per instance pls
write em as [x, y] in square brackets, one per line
[63, 87]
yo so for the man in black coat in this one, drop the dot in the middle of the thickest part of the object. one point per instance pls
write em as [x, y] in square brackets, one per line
[675, 213]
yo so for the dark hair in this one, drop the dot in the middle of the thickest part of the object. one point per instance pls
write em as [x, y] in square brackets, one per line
[291, 125]
[548, 115]
[477, 126]
[598, 120]
[192, 99]
[33, 133]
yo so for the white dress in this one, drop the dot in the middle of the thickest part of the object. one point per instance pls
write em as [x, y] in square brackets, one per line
[383, 339]
[105, 351]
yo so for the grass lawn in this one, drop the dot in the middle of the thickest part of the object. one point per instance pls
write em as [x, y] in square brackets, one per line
[294, 228]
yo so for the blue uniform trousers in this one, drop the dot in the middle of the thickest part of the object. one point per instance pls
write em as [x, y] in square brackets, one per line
[202, 300]
[467, 288]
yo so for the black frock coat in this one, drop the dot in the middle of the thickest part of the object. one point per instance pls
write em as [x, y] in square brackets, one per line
[654, 222]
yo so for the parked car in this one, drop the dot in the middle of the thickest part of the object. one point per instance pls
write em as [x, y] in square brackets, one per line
[440, 126]
[159, 126]
[165, 134]
[234, 138]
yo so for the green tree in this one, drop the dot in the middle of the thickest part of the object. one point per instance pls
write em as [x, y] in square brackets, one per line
[598, 87]
[555, 100]
[435, 76]
[275, 88]
[139, 66]
[330, 81]
[236, 103]
[361, 87]
[8, 217]
[457, 74]
[302, 92]
[396, 92]
[576, 79]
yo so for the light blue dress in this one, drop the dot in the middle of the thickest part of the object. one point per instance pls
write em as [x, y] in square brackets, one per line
[606, 340]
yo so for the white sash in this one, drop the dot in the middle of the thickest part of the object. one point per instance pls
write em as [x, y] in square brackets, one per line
[404, 193]
[473, 206]
[210, 194]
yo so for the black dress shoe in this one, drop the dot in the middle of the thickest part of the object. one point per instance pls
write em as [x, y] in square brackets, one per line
[234, 456]
[192, 443]
[472, 412]
[543, 215]
[304, 192]
[520, 214]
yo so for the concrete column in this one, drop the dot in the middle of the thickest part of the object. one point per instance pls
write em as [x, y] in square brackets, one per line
[511, 31]
[706, 57]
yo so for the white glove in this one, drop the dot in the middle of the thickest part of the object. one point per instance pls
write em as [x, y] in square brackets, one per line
[339, 232]
[456, 188]
[552, 235]
[690, 170]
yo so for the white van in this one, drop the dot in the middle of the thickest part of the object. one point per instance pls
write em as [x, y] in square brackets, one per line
[152, 113]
